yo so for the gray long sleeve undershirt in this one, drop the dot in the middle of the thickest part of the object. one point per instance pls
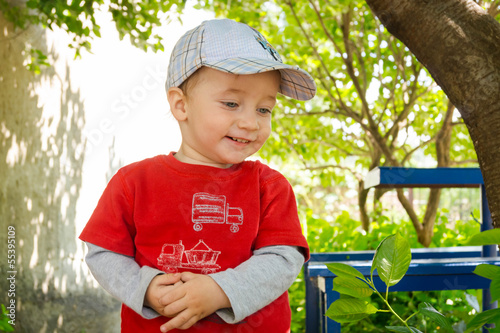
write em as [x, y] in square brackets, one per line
[250, 286]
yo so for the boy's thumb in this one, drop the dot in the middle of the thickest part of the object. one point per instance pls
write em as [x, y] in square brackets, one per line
[186, 276]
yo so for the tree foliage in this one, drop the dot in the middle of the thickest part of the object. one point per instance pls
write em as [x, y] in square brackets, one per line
[134, 19]
[376, 104]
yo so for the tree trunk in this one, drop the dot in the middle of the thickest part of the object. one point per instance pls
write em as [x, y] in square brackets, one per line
[362, 197]
[41, 145]
[459, 43]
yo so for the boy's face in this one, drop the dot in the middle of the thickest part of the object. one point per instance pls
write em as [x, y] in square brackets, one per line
[226, 117]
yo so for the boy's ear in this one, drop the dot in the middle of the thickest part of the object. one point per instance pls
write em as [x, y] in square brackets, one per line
[177, 101]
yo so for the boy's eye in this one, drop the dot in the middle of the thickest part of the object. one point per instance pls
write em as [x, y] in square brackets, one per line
[263, 110]
[231, 105]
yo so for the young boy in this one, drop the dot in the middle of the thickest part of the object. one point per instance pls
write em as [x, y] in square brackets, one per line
[225, 230]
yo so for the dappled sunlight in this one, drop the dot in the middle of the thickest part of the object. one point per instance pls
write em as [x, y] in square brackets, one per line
[41, 157]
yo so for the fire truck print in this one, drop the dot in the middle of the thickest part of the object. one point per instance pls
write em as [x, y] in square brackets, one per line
[211, 208]
[200, 257]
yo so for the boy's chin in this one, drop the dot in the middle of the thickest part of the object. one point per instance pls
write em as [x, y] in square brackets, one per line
[233, 161]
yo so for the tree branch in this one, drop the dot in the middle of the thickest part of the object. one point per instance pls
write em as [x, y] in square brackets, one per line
[356, 175]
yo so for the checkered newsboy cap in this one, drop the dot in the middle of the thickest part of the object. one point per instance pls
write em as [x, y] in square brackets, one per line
[234, 48]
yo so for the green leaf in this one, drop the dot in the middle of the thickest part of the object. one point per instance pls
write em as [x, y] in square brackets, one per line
[392, 259]
[375, 259]
[32, 4]
[486, 317]
[351, 286]
[4, 320]
[494, 330]
[488, 237]
[428, 310]
[402, 329]
[487, 271]
[6, 327]
[495, 289]
[348, 310]
[341, 269]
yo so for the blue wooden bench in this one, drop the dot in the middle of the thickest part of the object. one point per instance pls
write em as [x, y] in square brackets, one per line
[431, 269]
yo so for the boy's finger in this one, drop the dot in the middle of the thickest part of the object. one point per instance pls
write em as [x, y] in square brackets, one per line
[173, 295]
[169, 279]
[181, 321]
[188, 323]
[174, 308]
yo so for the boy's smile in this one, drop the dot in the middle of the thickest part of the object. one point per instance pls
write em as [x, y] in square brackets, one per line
[224, 118]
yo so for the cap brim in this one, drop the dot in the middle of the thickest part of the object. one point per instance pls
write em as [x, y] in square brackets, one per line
[295, 82]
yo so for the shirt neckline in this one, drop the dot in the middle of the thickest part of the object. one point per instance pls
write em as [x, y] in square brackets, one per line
[202, 170]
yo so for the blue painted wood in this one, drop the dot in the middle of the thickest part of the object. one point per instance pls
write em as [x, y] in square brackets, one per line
[421, 253]
[418, 267]
[421, 177]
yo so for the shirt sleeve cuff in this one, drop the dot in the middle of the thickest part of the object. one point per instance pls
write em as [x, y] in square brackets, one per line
[146, 274]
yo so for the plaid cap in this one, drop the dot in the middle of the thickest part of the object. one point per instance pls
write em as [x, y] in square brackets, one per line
[234, 48]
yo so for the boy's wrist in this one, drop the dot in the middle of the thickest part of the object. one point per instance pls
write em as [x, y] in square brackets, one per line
[148, 295]
[223, 301]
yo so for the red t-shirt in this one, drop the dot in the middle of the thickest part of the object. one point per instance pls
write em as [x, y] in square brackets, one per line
[180, 217]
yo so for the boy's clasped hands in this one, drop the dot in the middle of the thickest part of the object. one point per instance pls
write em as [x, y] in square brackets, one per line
[185, 297]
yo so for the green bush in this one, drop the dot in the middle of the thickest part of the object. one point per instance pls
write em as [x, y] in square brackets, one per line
[4, 320]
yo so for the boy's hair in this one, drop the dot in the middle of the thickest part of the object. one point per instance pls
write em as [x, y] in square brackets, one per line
[234, 48]
[190, 82]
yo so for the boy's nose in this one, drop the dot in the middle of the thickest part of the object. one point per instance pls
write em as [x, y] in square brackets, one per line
[248, 120]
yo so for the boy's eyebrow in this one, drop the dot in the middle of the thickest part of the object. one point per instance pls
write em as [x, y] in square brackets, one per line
[235, 90]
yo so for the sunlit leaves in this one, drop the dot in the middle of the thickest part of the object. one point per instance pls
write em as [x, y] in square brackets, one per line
[487, 271]
[392, 259]
[351, 286]
[356, 64]
[344, 270]
[134, 19]
[348, 310]
[488, 237]
[368, 82]
[5, 320]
